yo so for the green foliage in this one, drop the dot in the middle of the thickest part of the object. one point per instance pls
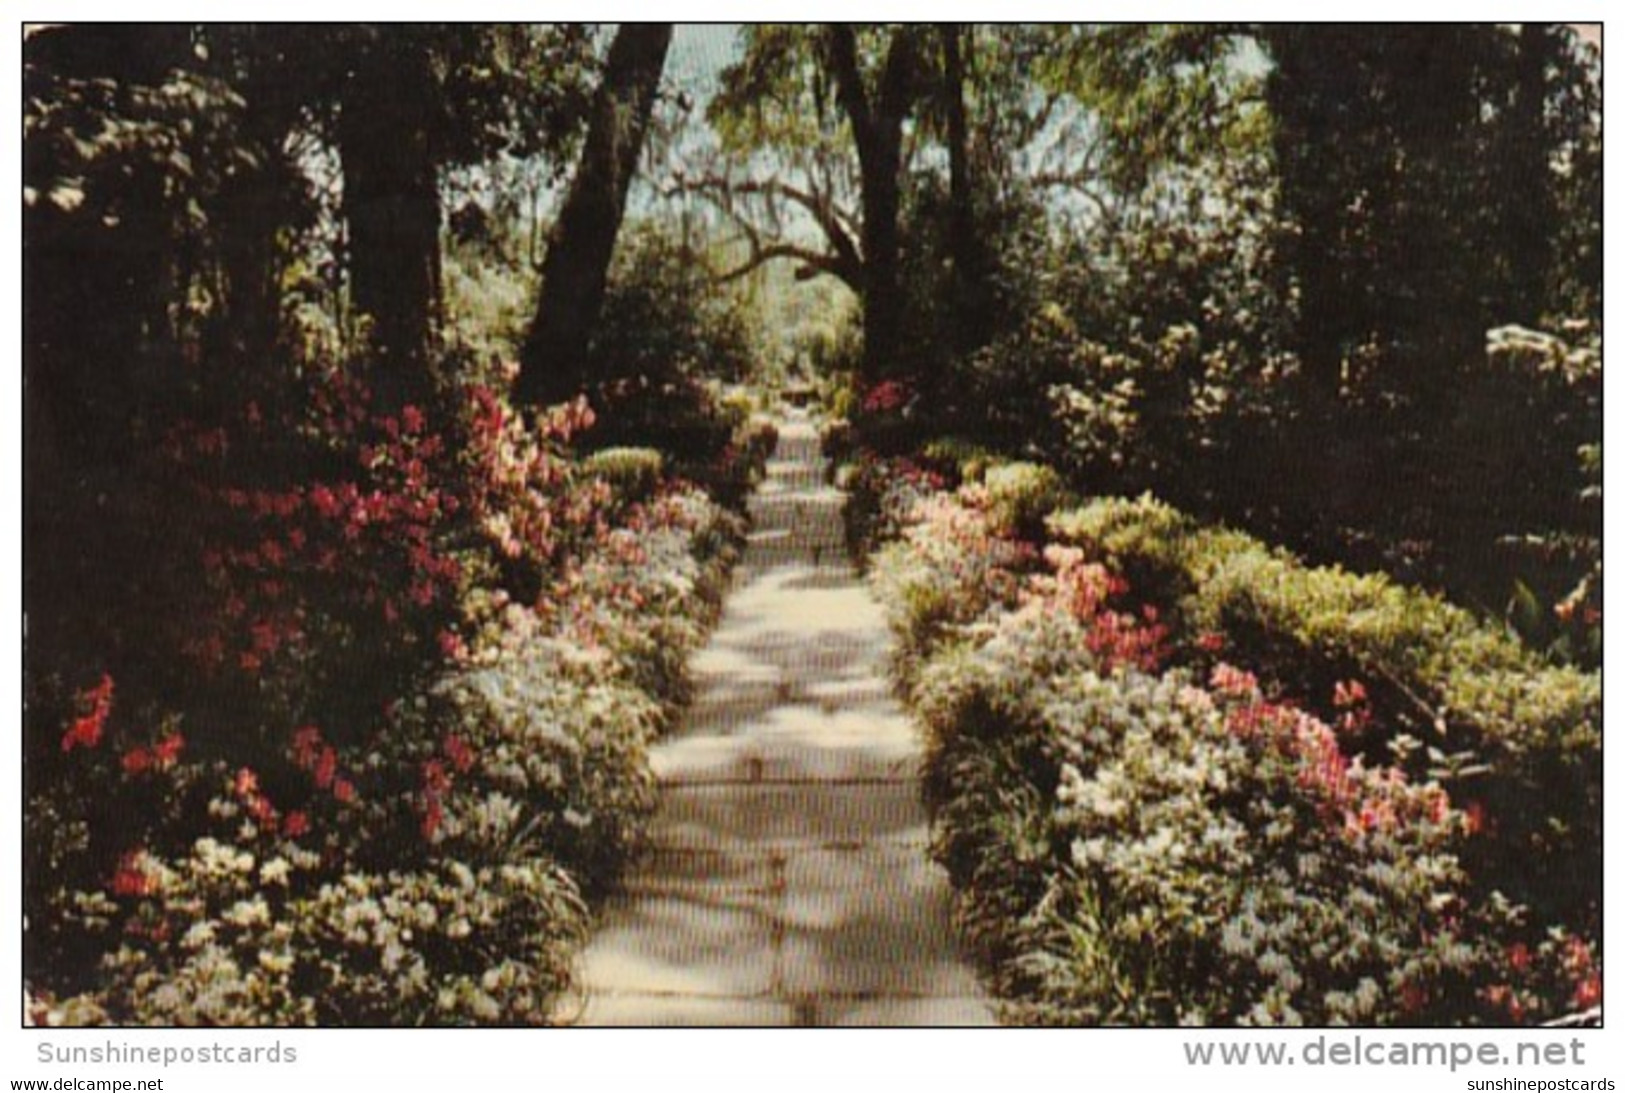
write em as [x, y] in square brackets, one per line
[1534, 539]
[1469, 687]
[489, 296]
[1164, 95]
[633, 473]
[1126, 857]
[665, 316]
[1020, 496]
[961, 459]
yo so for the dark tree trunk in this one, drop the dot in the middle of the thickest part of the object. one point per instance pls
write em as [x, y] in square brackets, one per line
[392, 206]
[1304, 91]
[576, 268]
[877, 127]
[1531, 215]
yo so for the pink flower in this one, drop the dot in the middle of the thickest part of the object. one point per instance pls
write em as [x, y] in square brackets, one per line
[1348, 693]
[1229, 679]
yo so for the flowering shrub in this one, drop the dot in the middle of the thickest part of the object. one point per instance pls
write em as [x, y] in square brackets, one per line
[881, 494]
[1138, 849]
[945, 573]
[886, 397]
[1019, 496]
[525, 497]
[428, 864]
[239, 932]
[1144, 848]
[543, 730]
[1449, 680]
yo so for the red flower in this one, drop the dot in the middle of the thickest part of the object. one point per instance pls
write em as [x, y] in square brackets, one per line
[261, 809]
[460, 754]
[343, 791]
[136, 760]
[1476, 818]
[1518, 956]
[131, 878]
[86, 731]
[326, 768]
[433, 815]
[295, 824]
[1211, 641]
[167, 750]
[307, 742]
[1576, 955]
[1232, 680]
[1588, 993]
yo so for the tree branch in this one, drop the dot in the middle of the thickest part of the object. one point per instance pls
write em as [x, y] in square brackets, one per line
[844, 262]
[813, 263]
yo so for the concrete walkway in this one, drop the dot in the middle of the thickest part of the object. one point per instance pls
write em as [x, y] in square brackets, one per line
[789, 882]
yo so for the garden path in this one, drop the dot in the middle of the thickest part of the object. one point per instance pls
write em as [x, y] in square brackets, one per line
[789, 881]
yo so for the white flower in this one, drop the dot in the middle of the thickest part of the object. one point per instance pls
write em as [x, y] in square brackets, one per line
[248, 912]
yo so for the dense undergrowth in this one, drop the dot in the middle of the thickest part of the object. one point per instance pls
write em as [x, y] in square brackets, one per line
[1178, 777]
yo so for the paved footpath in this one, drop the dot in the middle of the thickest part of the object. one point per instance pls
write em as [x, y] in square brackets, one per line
[789, 882]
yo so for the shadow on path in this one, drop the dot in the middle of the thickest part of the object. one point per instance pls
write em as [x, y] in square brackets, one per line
[789, 882]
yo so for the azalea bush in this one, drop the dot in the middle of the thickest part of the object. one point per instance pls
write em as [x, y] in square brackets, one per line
[1525, 734]
[1186, 855]
[428, 854]
[1142, 831]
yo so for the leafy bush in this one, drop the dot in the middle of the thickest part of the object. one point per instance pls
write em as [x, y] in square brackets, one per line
[1020, 496]
[1137, 849]
[664, 315]
[633, 473]
[432, 870]
[1461, 686]
[961, 460]
[1520, 503]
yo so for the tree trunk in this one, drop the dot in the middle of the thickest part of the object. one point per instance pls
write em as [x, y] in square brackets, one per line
[576, 269]
[392, 206]
[877, 128]
[1531, 215]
